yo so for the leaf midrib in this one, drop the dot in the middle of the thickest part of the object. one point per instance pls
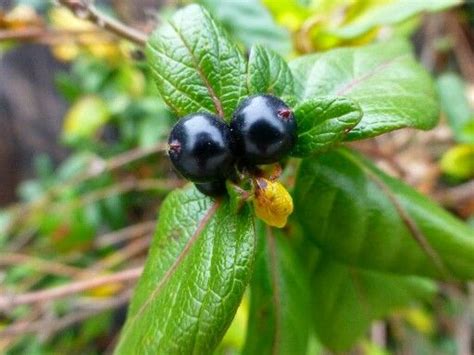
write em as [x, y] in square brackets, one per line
[215, 99]
[179, 260]
[354, 82]
[411, 225]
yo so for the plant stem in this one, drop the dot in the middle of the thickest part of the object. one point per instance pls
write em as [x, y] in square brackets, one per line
[7, 302]
[52, 327]
[86, 10]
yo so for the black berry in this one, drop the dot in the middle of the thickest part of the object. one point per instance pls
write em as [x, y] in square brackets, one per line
[264, 130]
[199, 147]
[213, 188]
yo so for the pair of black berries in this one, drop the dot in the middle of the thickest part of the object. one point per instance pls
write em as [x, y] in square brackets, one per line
[204, 149]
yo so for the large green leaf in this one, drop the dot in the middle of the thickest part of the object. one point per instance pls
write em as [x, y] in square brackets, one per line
[392, 89]
[279, 299]
[346, 299]
[195, 65]
[363, 217]
[324, 121]
[250, 22]
[268, 73]
[196, 273]
[388, 13]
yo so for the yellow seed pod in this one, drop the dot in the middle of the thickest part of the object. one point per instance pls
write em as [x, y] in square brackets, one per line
[273, 204]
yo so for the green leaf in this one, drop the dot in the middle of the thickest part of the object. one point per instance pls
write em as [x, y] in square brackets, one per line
[362, 217]
[269, 73]
[390, 13]
[279, 321]
[250, 22]
[85, 118]
[454, 103]
[196, 273]
[458, 161]
[346, 299]
[324, 121]
[392, 89]
[195, 66]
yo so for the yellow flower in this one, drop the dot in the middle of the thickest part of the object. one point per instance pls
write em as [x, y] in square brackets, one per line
[273, 204]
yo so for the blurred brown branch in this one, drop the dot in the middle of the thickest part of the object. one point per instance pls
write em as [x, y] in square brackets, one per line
[86, 10]
[53, 267]
[7, 302]
[125, 234]
[132, 249]
[42, 35]
[96, 168]
[49, 326]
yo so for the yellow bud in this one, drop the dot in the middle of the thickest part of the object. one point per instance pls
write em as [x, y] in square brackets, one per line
[273, 204]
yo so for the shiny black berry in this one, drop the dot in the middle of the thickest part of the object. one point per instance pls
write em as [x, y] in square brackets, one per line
[264, 130]
[199, 147]
[213, 188]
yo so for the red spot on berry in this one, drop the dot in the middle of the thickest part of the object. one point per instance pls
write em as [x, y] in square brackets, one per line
[284, 113]
[174, 147]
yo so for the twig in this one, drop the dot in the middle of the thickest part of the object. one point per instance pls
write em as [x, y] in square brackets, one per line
[86, 10]
[97, 168]
[51, 327]
[43, 35]
[39, 264]
[124, 187]
[125, 254]
[122, 235]
[9, 341]
[453, 196]
[7, 302]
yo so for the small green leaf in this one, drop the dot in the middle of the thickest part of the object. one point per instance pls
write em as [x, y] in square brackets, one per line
[196, 273]
[250, 22]
[269, 73]
[392, 89]
[346, 299]
[279, 321]
[324, 121]
[362, 217]
[85, 118]
[195, 66]
[454, 103]
[458, 161]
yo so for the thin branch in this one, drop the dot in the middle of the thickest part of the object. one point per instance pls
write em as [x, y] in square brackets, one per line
[7, 302]
[48, 266]
[51, 327]
[453, 196]
[44, 35]
[136, 247]
[125, 187]
[96, 168]
[6, 342]
[86, 10]
[125, 234]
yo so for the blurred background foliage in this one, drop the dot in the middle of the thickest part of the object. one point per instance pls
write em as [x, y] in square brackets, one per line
[87, 213]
